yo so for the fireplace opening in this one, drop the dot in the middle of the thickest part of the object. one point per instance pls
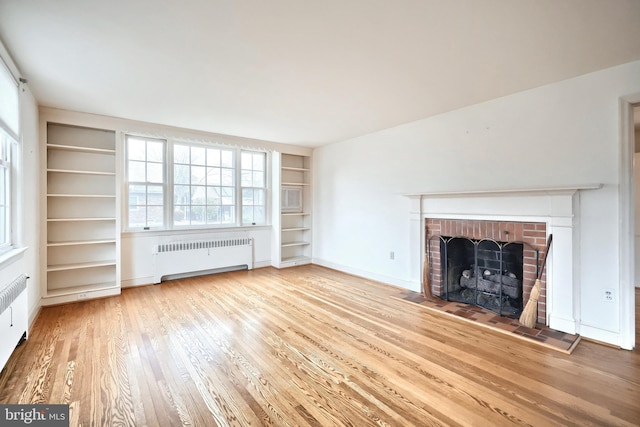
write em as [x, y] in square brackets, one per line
[483, 272]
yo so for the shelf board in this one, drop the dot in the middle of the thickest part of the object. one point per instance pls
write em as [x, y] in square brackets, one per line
[295, 183]
[289, 168]
[80, 242]
[81, 172]
[80, 265]
[296, 229]
[295, 213]
[290, 244]
[93, 196]
[82, 289]
[295, 258]
[79, 219]
[80, 149]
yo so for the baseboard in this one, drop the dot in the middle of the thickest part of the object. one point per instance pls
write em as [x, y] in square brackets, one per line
[600, 335]
[140, 281]
[412, 286]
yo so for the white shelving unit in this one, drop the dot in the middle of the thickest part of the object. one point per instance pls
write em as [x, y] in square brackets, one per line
[82, 242]
[292, 210]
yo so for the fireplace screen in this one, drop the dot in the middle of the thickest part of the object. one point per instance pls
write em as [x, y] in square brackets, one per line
[483, 272]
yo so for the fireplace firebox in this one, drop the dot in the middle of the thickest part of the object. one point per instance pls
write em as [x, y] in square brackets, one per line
[483, 272]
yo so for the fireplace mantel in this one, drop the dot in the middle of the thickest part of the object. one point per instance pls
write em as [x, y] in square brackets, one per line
[570, 189]
[557, 207]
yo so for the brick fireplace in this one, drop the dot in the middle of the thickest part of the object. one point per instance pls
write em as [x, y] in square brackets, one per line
[526, 214]
[532, 235]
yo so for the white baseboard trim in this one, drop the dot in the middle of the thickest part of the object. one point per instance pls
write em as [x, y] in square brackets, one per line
[412, 286]
[140, 281]
[601, 335]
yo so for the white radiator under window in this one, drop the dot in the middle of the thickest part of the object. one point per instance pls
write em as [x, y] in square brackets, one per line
[13, 317]
[201, 256]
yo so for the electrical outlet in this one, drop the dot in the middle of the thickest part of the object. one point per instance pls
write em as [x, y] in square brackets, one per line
[609, 295]
[82, 296]
[392, 255]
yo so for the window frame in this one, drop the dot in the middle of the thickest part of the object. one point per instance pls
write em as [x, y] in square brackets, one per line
[169, 187]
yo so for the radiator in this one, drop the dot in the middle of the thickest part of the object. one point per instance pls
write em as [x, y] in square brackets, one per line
[201, 257]
[13, 317]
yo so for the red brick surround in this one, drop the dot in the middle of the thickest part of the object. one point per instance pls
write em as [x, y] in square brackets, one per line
[532, 233]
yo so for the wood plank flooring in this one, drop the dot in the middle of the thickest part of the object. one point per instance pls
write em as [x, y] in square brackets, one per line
[306, 346]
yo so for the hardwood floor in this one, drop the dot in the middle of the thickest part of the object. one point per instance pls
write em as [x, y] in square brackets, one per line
[306, 346]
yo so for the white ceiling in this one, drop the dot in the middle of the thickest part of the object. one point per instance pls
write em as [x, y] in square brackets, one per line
[305, 72]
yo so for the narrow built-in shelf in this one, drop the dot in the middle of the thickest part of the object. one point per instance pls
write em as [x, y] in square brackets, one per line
[295, 213]
[81, 289]
[286, 245]
[79, 265]
[80, 242]
[80, 149]
[79, 219]
[295, 258]
[295, 183]
[81, 172]
[289, 168]
[296, 229]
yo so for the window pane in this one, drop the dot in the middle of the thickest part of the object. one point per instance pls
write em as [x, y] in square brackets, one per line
[246, 178]
[181, 174]
[155, 216]
[155, 151]
[213, 215]
[136, 171]
[181, 154]
[198, 156]
[198, 215]
[214, 176]
[179, 215]
[213, 157]
[258, 179]
[247, 214]
[181, 194]
[154, 172]
[213, 196]
[258, 197]
[136, 149]
[258, 162]
[228, 196]
[247, 197]
[197, 175]
[137, 216]
[227, 158]
[198, 195]
[258, 215]
[247, 161]
[227, 177]
[155, 195]
[228, 214]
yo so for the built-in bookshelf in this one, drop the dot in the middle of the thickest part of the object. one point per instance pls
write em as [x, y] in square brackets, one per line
[292, 212]
[82, 239]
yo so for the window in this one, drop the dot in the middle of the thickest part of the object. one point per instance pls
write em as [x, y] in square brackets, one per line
[145, 177]
[174, 185]
[252, 172]
[9, 129]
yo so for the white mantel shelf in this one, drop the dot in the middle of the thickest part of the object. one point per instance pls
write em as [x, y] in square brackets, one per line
[506, 191]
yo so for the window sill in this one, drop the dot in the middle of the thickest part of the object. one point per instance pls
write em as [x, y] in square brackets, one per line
[10, 256]
[183, 231]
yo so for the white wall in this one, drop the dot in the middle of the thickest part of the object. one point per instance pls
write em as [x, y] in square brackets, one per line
[566, 133]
